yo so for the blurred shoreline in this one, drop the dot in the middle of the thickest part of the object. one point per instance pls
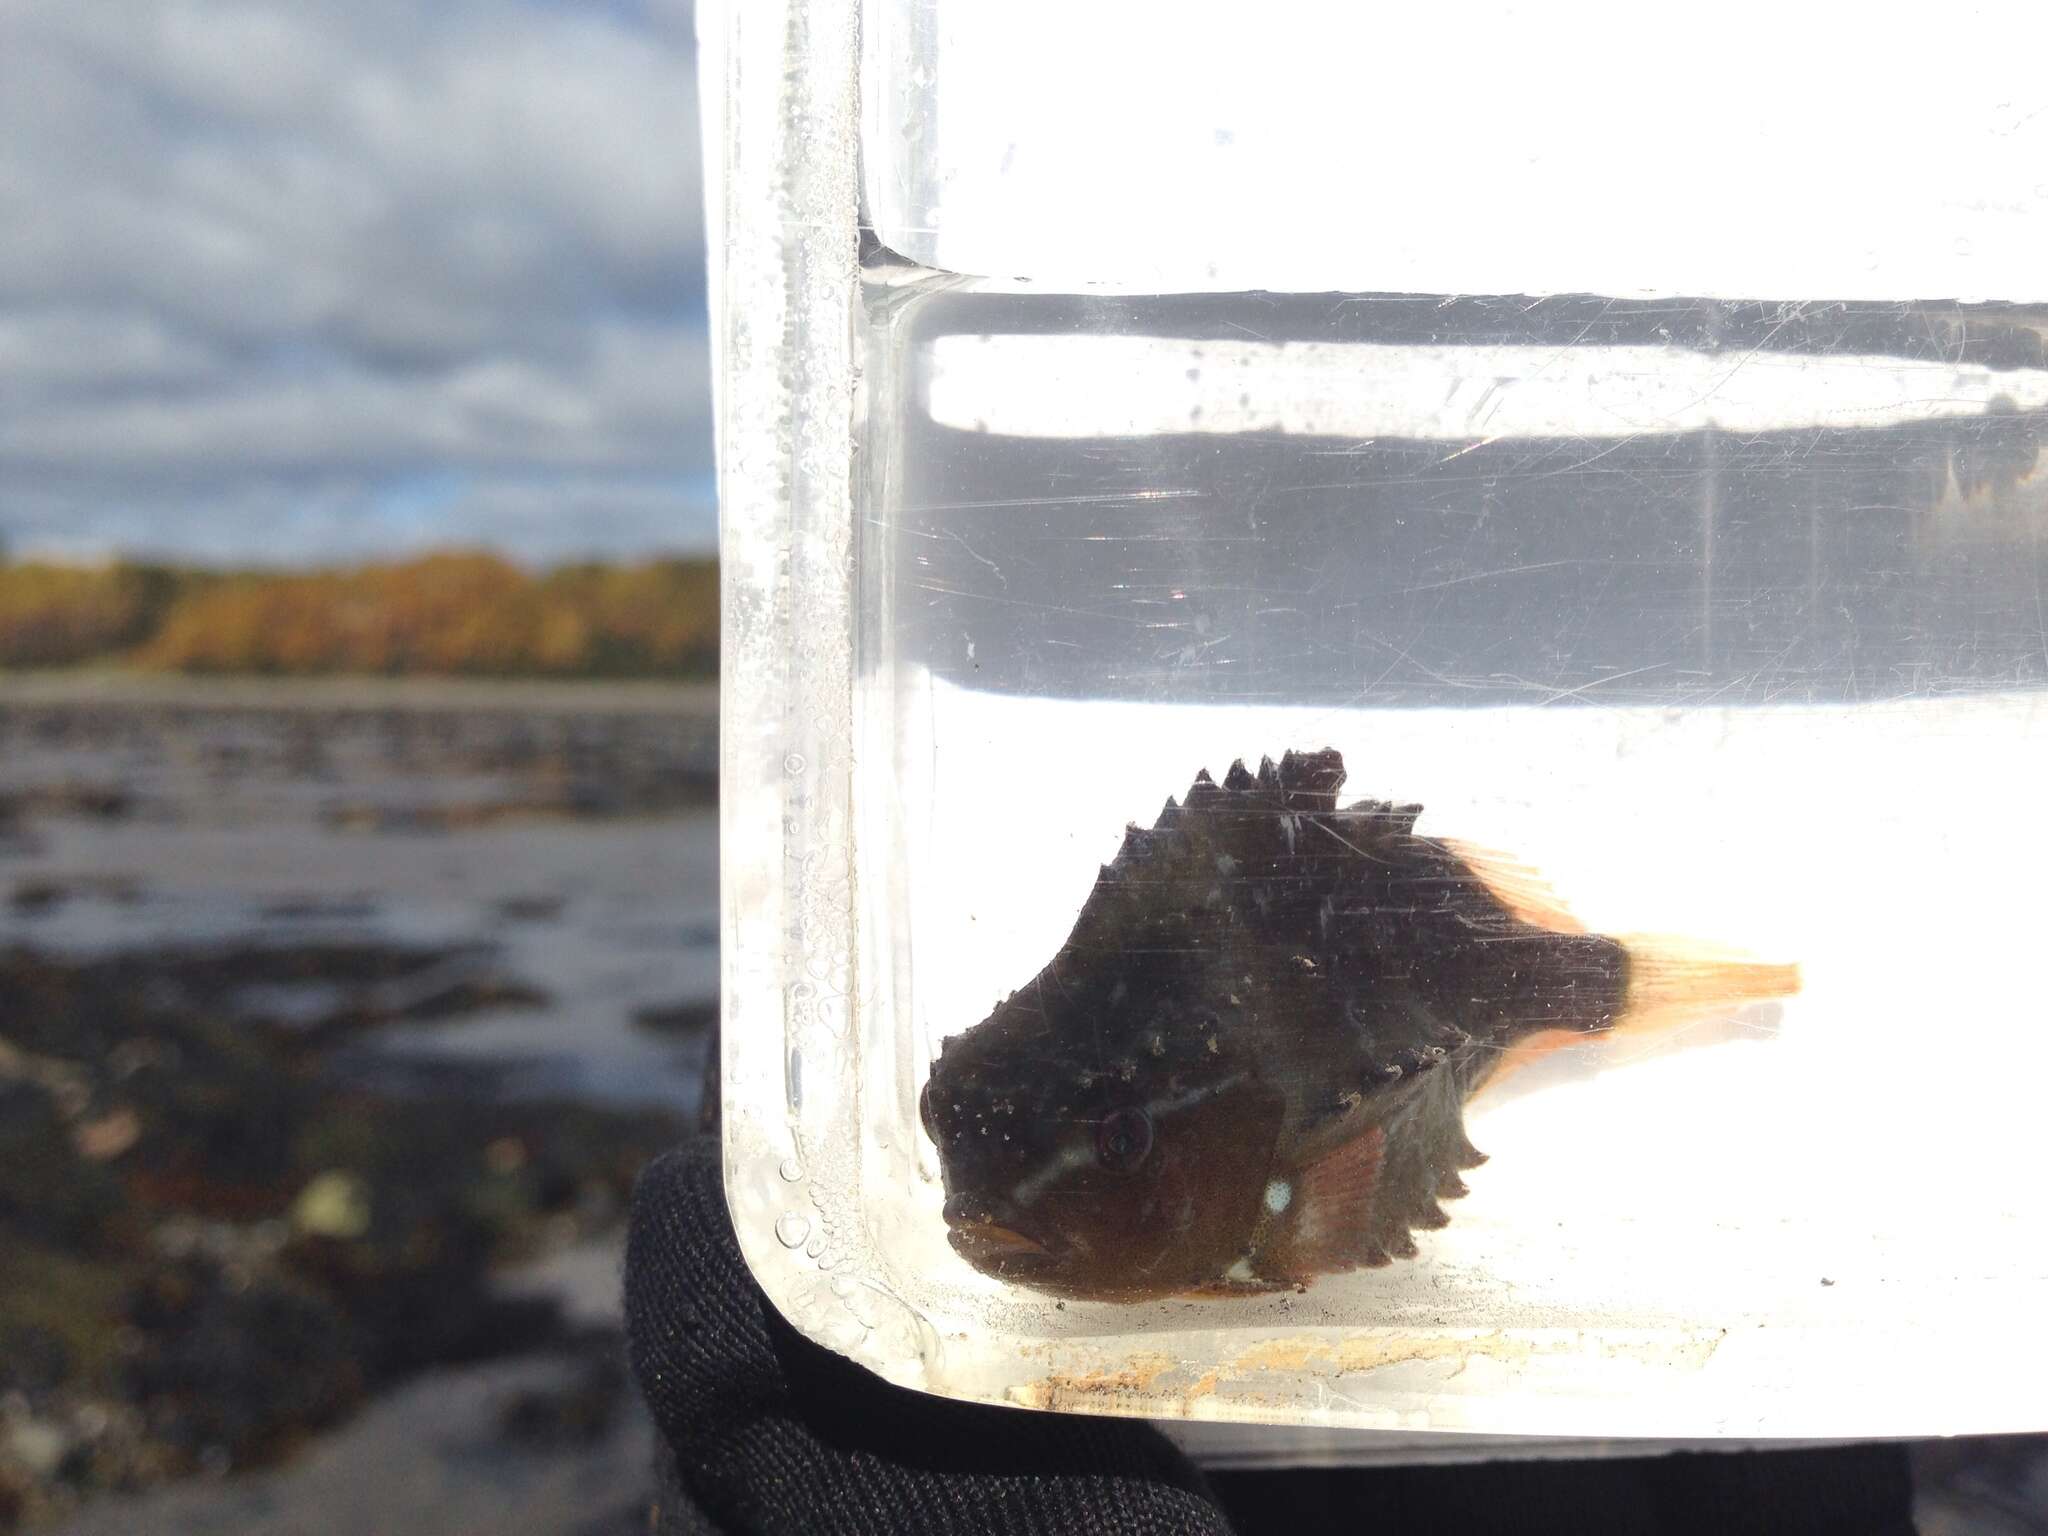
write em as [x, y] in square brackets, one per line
[317, 995]
[114, 687]
[449, 612]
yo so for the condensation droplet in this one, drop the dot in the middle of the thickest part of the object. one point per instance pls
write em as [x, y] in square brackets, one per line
[791, 1170]
[815, 1246]
[791, 1229]
[794, 764]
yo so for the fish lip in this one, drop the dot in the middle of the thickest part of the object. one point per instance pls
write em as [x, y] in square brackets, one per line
[985, 1235]
[1001, 1246]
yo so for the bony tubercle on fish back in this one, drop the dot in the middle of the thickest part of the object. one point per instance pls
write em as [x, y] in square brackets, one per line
[1248, 1064]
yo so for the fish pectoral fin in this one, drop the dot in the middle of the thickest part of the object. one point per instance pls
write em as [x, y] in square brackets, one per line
[1516, 886]
[1320, 1218]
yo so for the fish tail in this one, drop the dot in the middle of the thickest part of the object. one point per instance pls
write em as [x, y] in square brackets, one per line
[1672, 982]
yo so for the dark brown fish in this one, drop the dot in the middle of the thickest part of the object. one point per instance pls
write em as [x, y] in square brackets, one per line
[1248, 1064]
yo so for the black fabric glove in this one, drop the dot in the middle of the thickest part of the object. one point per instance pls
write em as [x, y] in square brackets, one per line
[766, 1432]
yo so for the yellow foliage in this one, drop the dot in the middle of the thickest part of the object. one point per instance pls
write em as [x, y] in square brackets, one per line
[52, 615]
[453, 613]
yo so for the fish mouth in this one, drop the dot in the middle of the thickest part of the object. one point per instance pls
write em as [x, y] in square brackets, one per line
[990, 1240]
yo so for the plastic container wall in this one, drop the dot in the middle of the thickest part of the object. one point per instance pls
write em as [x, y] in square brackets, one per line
[1712, 598]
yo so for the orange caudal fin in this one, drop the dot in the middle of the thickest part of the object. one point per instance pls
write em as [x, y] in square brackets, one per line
[1673, 982]
[1674, 985]
[1517, 887]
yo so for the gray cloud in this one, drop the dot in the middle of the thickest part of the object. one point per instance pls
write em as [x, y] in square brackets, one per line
[562, 515]
[285, 262]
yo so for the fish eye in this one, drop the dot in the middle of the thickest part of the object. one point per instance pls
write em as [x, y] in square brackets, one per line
[1123, 1139]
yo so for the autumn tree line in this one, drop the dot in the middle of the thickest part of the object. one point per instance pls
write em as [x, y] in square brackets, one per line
[448, 614]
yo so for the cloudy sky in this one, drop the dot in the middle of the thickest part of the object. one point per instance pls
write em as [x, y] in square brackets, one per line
[295, 279]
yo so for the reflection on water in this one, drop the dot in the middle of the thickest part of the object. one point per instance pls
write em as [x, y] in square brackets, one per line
[570, 838]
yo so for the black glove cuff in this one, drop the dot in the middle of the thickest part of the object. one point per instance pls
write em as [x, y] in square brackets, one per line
[770, 1433]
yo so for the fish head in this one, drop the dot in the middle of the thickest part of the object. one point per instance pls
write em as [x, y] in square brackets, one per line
[1086, 1160]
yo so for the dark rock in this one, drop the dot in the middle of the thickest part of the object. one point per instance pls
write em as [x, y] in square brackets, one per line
[33, 1358]
[173, 1278]
[686, 1017]
[34, 898]
[246, 1365]
[530, 909]
[47, 1191]
[580, 1410]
